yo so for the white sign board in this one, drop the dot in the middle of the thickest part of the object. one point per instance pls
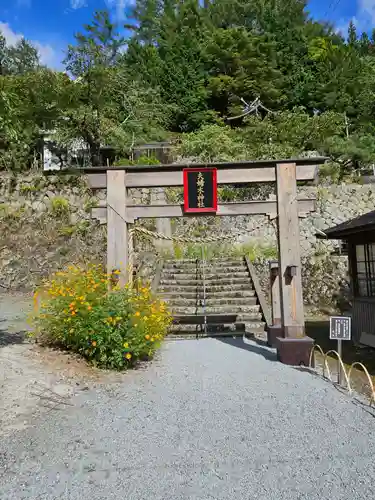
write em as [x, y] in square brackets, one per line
[340, 328]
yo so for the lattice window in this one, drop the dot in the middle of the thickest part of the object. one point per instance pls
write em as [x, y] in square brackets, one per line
[366, 269]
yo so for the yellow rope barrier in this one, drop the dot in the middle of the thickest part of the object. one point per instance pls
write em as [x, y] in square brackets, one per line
[347, 375]
[182, 239]
[341, 364]
[312, 353]
[357, 363]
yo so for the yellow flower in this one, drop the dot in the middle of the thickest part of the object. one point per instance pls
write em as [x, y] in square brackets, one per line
[128, 355]
[147, 337]
[118, 318]
[136, 324]
[137, 314]
[126, 345]
[152, 339]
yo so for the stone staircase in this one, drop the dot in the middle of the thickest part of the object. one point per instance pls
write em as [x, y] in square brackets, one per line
[230, 308]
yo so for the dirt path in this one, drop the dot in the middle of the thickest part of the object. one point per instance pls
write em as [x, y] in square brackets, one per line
[34, 380]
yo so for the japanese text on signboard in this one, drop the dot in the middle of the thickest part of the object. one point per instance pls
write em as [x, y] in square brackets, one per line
[200, 190]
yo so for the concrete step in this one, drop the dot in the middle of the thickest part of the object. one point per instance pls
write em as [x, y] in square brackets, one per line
[214, 281]
[184, 335]
[208, 276]
[208, 270]
[252, 311]
[218, 260]
[198, 288]
[198, 294]
[213, 301]
[225, 329]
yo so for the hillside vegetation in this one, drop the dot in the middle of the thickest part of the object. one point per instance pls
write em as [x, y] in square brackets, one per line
[246, 79]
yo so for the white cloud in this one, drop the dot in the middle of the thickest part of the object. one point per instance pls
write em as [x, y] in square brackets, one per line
[119, 6]
[77, 4]
[46, 52]
[364, 19]
[366, 8]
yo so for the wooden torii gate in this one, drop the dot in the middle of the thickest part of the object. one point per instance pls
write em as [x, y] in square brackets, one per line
[293, 346]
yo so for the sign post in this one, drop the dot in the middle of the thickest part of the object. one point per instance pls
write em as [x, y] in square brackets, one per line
[340, 328]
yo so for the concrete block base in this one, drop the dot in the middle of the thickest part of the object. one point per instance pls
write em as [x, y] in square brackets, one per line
[294, 352]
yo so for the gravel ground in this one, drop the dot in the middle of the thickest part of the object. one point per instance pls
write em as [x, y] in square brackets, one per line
[208, 419]
[33, 380]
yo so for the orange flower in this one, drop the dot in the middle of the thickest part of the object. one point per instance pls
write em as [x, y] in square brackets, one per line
[147, 337]
[137, 314]
[73, 313]
[93, 343]
[89, 308]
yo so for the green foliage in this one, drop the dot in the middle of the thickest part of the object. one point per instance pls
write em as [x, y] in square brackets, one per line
[213, 143]
[60, 207]
[116, 329]
[187, 68]
[219, 249]
[142, 160]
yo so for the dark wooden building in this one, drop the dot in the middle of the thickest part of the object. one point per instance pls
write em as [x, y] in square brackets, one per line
[359, 237]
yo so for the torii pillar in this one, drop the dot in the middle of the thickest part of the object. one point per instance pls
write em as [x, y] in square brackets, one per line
[293, 347]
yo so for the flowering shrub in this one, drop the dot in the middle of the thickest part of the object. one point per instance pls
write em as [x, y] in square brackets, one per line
[115, 329]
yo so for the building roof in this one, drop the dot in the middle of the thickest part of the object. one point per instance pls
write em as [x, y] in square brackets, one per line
[361, 224]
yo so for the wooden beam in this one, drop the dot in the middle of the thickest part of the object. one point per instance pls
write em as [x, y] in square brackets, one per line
[134, 212]
[258, 290]
[163, 225]
[117, 234]
[292, 315]
[275, 292]
[173, 178]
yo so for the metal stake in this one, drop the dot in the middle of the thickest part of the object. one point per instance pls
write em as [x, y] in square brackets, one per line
[339, 350]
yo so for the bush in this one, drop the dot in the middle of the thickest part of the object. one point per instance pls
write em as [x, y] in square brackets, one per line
[115, 329]
[60, 207]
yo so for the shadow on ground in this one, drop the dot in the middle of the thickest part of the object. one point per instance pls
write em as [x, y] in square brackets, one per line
[258, 348]
[319, 331]
[8, 337]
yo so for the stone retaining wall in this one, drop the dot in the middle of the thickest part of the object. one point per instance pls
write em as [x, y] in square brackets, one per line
[45, 223]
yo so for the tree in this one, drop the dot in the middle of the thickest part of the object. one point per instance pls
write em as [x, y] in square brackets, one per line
[241, 65]
[100, 46]
[352, 34]
[90, 60]
[174, 38]
[19, 58]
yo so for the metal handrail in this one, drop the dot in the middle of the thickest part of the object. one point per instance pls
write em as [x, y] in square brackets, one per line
[204, 289]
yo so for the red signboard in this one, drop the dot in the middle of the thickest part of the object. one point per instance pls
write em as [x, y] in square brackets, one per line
[200, 190]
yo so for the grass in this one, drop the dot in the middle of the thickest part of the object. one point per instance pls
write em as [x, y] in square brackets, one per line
[210, 251]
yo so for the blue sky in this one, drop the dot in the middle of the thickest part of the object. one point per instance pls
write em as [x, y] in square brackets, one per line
[51, 24]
